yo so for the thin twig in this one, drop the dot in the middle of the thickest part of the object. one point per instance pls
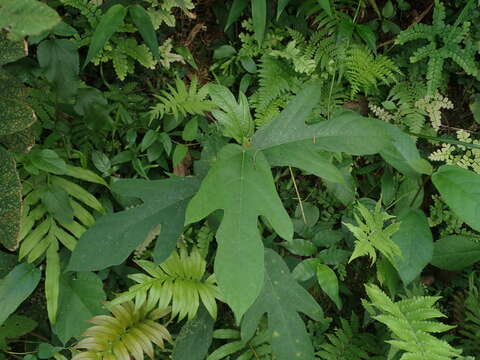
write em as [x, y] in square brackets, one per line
[298, 195]
[415, 22]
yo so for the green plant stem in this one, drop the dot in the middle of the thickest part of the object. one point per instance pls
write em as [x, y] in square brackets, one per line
[445, 140]
[298, 195]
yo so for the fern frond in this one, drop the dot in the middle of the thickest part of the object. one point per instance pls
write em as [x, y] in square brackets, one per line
[275, 79]
[87, 8]
[412, 322]
[456, 40]
[348, 343]
[371, 235]
[468, 312]
[179, 281]
[181, 100]
[140, 53]
[364, 70]
[130, 332]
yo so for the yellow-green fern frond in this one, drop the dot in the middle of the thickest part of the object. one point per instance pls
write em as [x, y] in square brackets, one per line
[371, 236]
[179, 281]
[364, 71]
[412, 323]
[128, 334]
[181, 100]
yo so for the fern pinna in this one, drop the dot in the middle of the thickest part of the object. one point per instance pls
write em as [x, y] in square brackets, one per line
[412, 323]
[130, 332]
[178, 280]
[444, 42]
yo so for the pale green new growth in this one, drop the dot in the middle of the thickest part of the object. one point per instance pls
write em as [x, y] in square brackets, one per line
[372, 236]
[364, 71]
[178, 280]
[234, 117]
[412, 323]
[181, 100]
[459, 155]
[127, 334]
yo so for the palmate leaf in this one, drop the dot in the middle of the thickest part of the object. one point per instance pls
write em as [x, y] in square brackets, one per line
[128, 333]
[346, 132]
[241, 184]
[10, 201]
[282, 298]
[178, 280]
[164, 203]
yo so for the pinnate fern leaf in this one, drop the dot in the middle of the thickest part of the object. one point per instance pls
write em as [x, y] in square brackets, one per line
[444, 42]
[179, 280]
[130, 332]
[371, 236]
[364, 71]
[181, 100]
[412, 322]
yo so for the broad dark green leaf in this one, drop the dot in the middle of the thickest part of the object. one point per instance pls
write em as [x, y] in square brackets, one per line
[107, 26]
[344, 191]
[240, 183]
[49, 161]
[57, 202]
[402, 153]
[14, 327]
[195, 337]
[179, 154]
[456, 252]
[282, 298]
[13, 15]
[328, 281]
[460, 189]
[15, 112]
[281, 5]
[346, 132]
[475, 108]
[16, 287]
[80, 299]
[416, 242]
[235, 11]
[7, 263]
[303, 155]
[300, 247]
[325, 5]
[164, 203]
[60, 61]
[11, 50]
[367, 35]
[10, 201]
[409, 195]
[143, 22]
[259, 18]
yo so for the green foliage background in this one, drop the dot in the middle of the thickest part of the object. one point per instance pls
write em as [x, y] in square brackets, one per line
[239, 180]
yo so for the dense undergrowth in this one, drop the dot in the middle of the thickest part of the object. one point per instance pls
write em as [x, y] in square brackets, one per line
[239, 180]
